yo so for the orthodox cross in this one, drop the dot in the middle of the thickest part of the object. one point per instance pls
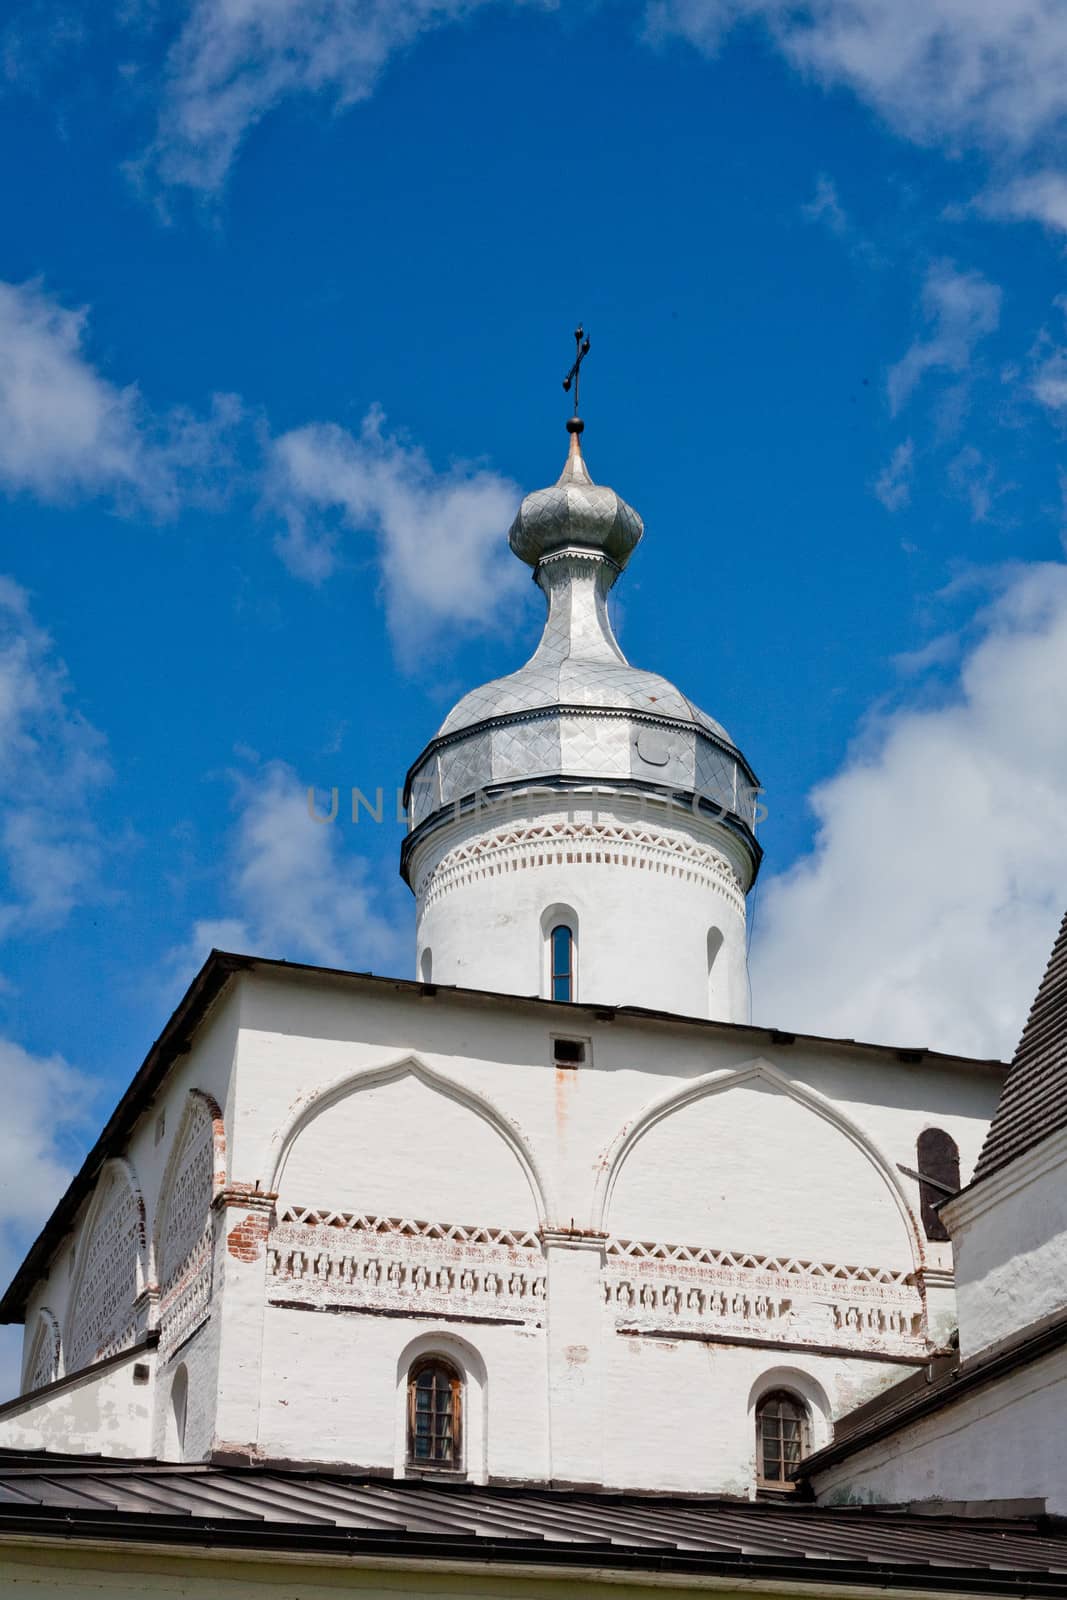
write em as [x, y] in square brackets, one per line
[573, 376]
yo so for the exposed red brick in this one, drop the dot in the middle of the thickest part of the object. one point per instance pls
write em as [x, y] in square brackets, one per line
[246, 1239]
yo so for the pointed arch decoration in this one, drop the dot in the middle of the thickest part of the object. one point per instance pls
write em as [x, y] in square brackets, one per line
[407, 1066]
[110, 1268]
[184, 1240]
[43, 1365]
[719, 1082]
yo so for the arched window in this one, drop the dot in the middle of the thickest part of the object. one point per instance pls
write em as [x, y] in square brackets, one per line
[938, 1159]
[781, 1438]
[561, 942]
[426, 965]
[435, 1415]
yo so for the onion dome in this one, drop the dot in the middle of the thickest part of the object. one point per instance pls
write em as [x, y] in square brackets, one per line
[578, 715]
[575, 513]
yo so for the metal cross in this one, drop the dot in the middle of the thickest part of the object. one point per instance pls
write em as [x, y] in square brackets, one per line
[573, 376]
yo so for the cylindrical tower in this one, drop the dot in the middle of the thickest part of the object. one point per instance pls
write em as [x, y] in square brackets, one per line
[579, 829]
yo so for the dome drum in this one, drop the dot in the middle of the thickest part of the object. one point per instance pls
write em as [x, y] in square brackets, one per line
[680, 765]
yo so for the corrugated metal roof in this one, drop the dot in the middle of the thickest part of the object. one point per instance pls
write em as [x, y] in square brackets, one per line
[315, 1511]
[1033, 1102]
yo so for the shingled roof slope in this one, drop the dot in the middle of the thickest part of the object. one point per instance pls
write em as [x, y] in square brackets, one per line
[1033, 1102]
[318, 1512]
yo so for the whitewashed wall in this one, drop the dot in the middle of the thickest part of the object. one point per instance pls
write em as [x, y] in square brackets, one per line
[642, 884]
[1010, 1238]
[522, 1206]
[1001, 1442]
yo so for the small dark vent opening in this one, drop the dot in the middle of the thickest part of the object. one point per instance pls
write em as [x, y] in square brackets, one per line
[568, 1052]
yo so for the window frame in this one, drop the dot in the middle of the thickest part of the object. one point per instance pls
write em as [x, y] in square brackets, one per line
[781, 1485]
[423, 1364]
[560, 976]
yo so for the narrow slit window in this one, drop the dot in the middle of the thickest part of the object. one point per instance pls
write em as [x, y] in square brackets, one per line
[781, 1438]
[562, 951]
[435, 1415]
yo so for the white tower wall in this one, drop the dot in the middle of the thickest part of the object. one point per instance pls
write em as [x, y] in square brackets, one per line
[652, 894]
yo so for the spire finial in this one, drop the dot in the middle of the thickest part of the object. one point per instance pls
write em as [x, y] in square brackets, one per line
[575, 423]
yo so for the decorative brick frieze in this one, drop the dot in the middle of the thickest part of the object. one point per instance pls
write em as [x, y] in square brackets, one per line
[104, 1319]
[318, 1257]
[43, 1365]
[796, 1301]
[185, 1245]
[581, 844]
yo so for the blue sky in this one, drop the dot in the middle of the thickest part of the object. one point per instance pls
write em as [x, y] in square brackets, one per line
[286, 294]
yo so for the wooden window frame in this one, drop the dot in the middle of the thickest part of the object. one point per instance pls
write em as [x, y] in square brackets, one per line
[781, 1485]
[456, 1385]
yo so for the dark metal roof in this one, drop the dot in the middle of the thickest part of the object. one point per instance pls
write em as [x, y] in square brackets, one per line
[213, 978]
[316, 1511]
[1033, 1102]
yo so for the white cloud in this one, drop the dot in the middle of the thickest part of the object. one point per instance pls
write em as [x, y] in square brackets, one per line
[293, 889]
[990, 73]
[38, 1150]
[1049, 382]
[443, 554]
[893, 484]
[926, 909]
[1038, 197]
[960, 308]
[234, 60]
[67, 432]
[1047, 369]
[52, 762]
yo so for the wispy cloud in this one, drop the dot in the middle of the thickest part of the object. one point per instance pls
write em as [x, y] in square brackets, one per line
[52, 766]
[825, 207]
[988, 73]
[441, 544]
[68, 432]
[974, 478]
[235, 60]
[38, 1152]
[1035, 197]
[959, 308]
[292, 887]
[893, 484]
[926, 909]
[52, 763]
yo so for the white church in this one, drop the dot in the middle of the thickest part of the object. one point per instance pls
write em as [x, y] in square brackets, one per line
[545, 1267]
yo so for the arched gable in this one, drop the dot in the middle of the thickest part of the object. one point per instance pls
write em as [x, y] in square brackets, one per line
[403, 1140]
[183, 1244]
[110, 1268]
[43, 1364]
[762, 1163]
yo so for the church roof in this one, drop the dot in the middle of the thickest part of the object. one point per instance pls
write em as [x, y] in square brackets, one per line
[220, 969]
[573, 682]
[316, 1512]
[1033, 1102]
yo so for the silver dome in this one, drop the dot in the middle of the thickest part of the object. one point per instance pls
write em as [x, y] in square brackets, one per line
[578, 714]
